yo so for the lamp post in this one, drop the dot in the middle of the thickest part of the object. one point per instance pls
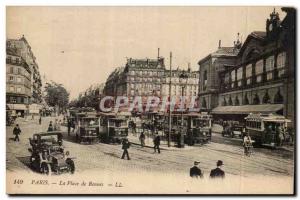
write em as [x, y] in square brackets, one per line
[183, 77]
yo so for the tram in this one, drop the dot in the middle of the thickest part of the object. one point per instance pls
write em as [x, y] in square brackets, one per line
[264, 129]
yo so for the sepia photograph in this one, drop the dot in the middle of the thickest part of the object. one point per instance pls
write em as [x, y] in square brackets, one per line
[150, 100]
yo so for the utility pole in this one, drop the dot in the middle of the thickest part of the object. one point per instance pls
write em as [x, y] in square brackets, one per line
[170, 113]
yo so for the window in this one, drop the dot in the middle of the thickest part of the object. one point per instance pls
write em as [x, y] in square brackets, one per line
[19, 79]
[259, 68]
[17, 60]
[11, 88]
[19, 71]
[204, 80]
[248, 73]
[226, 80]
[239, 76]
[232, 78]
[270, 67]
[281, 58]
[11, 78]
[11, 70]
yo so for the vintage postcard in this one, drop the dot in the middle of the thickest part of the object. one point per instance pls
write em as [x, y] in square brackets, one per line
[150, 100]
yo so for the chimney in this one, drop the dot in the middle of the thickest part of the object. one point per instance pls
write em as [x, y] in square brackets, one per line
[219, 44]
[158, 54]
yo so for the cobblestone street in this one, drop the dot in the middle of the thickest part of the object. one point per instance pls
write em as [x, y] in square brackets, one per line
[107, 157]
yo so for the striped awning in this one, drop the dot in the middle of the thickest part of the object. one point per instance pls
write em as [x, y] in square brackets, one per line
[246, 109]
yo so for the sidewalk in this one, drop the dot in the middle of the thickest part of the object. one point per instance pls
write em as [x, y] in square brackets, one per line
[134, 139]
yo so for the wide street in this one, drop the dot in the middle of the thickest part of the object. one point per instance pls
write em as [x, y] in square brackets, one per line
[107, 157]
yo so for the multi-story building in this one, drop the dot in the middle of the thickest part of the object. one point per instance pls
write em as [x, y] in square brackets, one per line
[21, 51]
[261, 78]
[149, 77]
[18, 85]
[209, 68]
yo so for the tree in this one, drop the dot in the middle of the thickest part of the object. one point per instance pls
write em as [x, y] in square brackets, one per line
[56, 95]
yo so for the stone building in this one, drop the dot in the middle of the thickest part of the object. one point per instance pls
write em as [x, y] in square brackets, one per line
[149, 77]
[209, 68]
[261, 78]
[18, 85]
[19, 53]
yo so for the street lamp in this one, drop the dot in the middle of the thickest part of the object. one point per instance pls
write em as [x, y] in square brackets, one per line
[183, 77]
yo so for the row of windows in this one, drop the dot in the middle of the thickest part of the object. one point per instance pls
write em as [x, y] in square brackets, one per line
[18, 89]
[149, 73]
[14, 79]
[154, 73]
[253, 124]
[19, 71]
[17, 100]
[257, 70]
[11, 59]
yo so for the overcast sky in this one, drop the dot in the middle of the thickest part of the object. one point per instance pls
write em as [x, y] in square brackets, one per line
[80, 46]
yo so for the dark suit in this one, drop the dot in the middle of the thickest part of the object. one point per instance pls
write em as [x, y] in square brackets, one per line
[156, 144]
[125, 146]
[195, 172]
[217, 173]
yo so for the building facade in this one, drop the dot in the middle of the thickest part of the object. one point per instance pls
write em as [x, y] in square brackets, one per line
[149, 77]
[23, 77]
[261, 78]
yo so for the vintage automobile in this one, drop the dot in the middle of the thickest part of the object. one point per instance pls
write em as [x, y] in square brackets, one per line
[233, 129]
[47, 154]
[87, 127]
[114, 127]
[264, 128]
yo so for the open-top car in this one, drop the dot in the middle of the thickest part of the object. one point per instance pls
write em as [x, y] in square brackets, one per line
[47, 154]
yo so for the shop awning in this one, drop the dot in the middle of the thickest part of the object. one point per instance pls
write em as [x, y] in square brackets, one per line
[246, 109]
[16, 106]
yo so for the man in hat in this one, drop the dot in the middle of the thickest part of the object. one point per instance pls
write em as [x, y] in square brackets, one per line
[218, 172]
[195, 172]
[156, 142]
[17, 131]
[125, 146]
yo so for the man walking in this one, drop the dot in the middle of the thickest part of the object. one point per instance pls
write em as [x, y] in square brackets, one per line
[125, 147]
[50, 127]
[17, 131]
[156, 143]
[69, 126]
[218, 172]
[195, 172]
[142, 139]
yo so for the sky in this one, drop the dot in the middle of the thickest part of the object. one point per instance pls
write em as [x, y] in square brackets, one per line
[81, 46]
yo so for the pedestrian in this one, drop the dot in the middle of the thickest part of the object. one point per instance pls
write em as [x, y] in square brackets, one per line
[142, 139]
[50, 127]
[40, 120]
[247, 144]
[156, 142]
[217, 172]
[58, 125]
[17, 131]
[69, 126]
[125, 147]
[195, 172]
[55, 125]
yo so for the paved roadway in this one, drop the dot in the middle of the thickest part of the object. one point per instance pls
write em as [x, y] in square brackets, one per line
[107, 157]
